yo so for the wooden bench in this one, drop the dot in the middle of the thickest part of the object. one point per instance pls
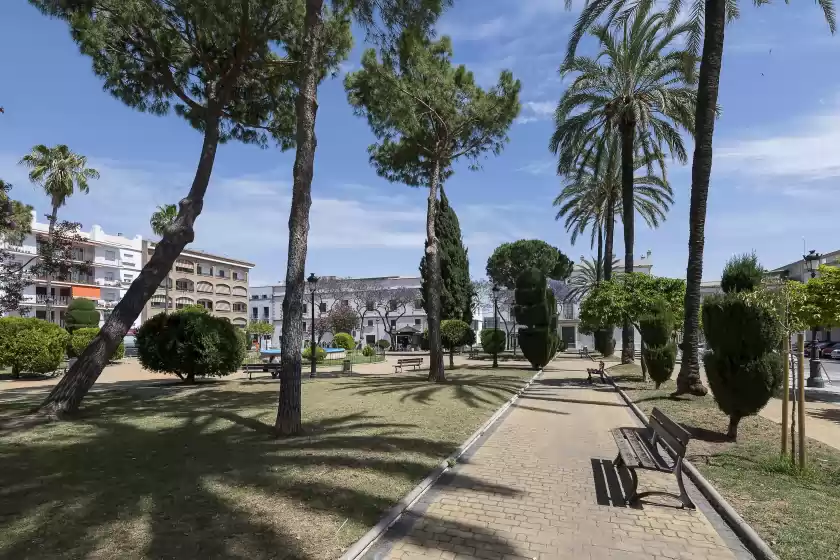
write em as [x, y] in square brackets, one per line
[583, 352]
[273, 368]
[416, 362]
[643, 448]
[599, 372]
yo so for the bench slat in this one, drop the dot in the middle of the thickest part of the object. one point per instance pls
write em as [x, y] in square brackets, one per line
[673, 428]
[633, 452]
[664, 428]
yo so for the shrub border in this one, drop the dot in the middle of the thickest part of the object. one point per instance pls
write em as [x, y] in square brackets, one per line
[361, 546]
[754, 543]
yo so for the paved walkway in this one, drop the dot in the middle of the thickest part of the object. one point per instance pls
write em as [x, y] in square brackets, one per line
[541, 486]
[822, 421]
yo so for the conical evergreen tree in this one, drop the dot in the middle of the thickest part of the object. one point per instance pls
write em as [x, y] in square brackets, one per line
[456, 295]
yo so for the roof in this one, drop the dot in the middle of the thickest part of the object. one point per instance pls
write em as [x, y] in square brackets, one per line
[198, 253]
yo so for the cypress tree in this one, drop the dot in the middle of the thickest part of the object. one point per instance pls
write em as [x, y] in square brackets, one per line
[456, 293]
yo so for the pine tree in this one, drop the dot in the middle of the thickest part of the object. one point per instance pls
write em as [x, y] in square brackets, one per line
[456, 292]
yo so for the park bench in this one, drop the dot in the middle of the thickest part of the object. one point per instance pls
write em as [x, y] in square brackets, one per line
[639, 448]
[583, 352]
[251, 368]
[599, 372]
[416, 362]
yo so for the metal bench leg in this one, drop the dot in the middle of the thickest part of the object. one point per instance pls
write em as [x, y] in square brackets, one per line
[633, 495]
[686, 501]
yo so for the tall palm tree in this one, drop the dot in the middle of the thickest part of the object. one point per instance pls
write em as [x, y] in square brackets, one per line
[60, 173]
[161, 221]
[706, 23]
[638, 88]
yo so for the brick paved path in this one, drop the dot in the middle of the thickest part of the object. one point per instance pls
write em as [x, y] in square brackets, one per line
[530, 491]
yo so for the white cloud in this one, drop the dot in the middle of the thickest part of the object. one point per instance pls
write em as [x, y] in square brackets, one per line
[473, 32]
[540, 167]
[534, 111]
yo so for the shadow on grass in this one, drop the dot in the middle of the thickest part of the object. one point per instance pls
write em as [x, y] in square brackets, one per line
[473, 389]
[190, 474]
[830, 414]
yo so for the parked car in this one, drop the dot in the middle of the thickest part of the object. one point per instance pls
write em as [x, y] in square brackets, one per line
[808, 346]
[825, 351]
[130, 346]
[835, 354]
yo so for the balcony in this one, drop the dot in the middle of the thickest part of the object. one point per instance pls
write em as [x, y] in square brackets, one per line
[107, 304]
[56, 300]
[71, 279]
[19, 249]
[104, 282]
[126, 282]
[568, 312]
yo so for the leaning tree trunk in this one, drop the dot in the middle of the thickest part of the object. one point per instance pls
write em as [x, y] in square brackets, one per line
[67, 395]
[628, 133]
[50, 232]
[688, 380]
[306, 107]
[609, 235]
[436, 372]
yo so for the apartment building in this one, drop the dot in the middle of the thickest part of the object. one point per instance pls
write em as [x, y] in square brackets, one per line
[114, 263]
[218, 283]
[386, 306]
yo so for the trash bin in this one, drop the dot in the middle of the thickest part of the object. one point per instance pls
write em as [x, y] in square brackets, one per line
[347, 367]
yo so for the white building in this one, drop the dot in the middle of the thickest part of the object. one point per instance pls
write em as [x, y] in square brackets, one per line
[115, 261]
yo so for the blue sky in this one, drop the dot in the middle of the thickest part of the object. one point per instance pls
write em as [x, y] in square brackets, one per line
[775, 175]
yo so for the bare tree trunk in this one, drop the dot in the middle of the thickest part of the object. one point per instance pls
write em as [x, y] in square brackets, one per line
[628, 133]
[67, 395]
[436, 372]
[688, 380]
[288, 420]
[50, 232]
[608, 238]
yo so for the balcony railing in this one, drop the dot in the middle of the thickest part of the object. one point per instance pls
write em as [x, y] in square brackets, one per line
[55, 300]
[105, 282]
[72, 279]
[126, 282]
[184, 269]
[106, 303]
[183, 289]
[568, 312]
[19, 249]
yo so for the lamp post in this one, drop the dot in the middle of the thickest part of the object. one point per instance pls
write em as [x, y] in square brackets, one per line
[313, 283]
[495, 320]
[812, 263]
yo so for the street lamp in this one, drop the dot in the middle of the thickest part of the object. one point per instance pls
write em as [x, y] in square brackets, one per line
[495, 320]
[812, 263]
[313, 282]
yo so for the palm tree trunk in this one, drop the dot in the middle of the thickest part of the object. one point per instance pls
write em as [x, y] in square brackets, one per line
[628, 133]
[688, 380]
[67, 395]
[50, 231]
[608, 237]
[599, 264]
[288, 420]
[436, 372]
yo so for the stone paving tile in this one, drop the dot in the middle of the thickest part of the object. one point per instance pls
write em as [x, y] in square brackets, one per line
[529, 491]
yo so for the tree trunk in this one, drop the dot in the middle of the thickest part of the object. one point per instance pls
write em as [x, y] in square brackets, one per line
[734, 420]
[628, 133]
[436, 372]
[608, 237]
[306, 107]
[67, 395]
[190, 379]
[50, 232]
[688, 380]
[643, 362]
[599, 268]
[452, 357]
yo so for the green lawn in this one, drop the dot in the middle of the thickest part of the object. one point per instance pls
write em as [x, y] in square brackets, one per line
[194, 472]
[798, 515]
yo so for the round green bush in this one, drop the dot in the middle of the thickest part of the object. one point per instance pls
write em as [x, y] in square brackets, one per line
[320, 354]
[190, 344]
[81, 338]
[343, 340]
[31, 345]
[604, 342]
[383, 344]
[368, 351]
[81, 313]
[493, 340]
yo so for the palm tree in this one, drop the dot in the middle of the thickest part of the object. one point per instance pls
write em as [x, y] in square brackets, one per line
[60, 173]
[706, 25]
[638, 89]
[161, 221]
[585, 278]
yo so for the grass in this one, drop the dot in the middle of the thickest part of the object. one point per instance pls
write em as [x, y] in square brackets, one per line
[796, 513]
[176, 471]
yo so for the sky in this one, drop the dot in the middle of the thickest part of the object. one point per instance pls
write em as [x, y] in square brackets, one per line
[775, 176]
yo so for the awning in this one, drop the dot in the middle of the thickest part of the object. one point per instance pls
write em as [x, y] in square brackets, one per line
[408, 330]
[84, 291]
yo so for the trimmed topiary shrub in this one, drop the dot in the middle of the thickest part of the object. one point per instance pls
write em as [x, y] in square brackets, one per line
[320, 355]
[604, 342]
[742, 273]
[29, 345]
[383, 344]
[659, 351]
[190, 344]
[81, 338]
[343, 340]
[493, 342]
[453, 333]
[81, 313]
[469, 338]
[368, 351]
[743, 368]
[561, 345]
[536, 310]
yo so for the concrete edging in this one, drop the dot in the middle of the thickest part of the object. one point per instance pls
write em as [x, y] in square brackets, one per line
[747, 534]
[362, 545]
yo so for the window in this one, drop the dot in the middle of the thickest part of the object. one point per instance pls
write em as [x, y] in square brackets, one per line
[110, 255]
[234, 275]
[265, 296]
[130, 278]
[304, 325]
[370, 322]
[322, 307]
[369, 306]
[181, 302]
[255, 312]
[220, 273]
[345, 303]
[418, 304]
[255, 297]
[393, 304]
[185, 266]
[109, 276]
[393, 323]
[417, 322]
[240, 307]
[304, 308]
[183, 285]
[265, 312]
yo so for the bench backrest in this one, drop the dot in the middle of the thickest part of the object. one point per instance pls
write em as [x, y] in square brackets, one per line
[669, 431]
[411, 361]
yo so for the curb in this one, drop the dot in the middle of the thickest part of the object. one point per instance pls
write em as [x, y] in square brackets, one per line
[754, 543]
[362, 545]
